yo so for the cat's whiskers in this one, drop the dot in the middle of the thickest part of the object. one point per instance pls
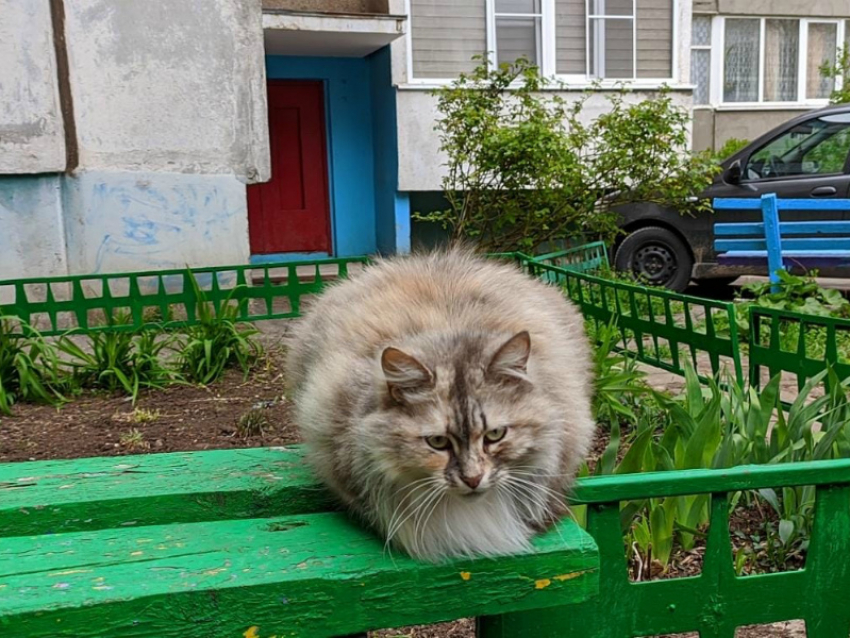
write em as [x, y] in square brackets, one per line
[411, 506]
[425, 512]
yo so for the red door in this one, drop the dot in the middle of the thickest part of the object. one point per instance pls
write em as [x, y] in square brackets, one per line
[291, 213]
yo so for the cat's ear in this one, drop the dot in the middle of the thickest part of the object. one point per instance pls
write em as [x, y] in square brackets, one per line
[511, 359]
[405, 375]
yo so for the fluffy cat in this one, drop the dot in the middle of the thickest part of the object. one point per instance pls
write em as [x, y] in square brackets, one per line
[445, 398]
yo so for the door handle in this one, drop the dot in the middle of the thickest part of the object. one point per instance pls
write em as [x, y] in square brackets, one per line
[823, 191]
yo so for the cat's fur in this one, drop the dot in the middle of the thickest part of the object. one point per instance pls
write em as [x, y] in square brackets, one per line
[445, 345]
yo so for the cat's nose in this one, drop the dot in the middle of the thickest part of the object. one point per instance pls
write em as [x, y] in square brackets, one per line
[472, 481]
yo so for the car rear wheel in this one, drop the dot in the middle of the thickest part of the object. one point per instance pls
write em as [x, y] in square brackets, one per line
[657, 257]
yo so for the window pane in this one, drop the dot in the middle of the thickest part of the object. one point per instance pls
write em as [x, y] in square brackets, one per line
[741, 77]
[819, 147]
[701, 31]
[782, 49]
[516, 38]
[612, 48]
[700, 75]
[610, 7]
[823, 42]
[517, 6]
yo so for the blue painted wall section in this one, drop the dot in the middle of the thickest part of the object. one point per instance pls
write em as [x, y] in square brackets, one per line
[392, 209]
[123, 221]
[32, 242]
[351, 159]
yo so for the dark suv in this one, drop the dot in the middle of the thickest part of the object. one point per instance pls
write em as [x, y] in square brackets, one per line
[807, 157]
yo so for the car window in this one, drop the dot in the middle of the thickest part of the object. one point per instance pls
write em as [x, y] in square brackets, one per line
[817, 147]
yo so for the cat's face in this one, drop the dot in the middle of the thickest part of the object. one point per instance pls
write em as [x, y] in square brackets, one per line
[464, 426]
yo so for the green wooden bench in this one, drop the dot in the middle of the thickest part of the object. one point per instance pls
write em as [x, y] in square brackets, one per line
[244, 543]
[235, 543]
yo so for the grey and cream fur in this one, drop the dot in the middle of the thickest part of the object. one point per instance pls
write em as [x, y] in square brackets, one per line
[445, 398]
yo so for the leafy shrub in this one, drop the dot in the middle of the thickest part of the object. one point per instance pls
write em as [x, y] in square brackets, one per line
[217, 342]
[841, 69]
[29, 367]
[800, 294]
[525, 170]
[732, 146]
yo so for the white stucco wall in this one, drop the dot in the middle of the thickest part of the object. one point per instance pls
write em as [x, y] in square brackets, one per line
[31, 131]
[169, 85]
[422, 164]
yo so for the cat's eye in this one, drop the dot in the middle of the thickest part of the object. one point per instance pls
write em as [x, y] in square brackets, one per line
[495, 435]
[438, 442]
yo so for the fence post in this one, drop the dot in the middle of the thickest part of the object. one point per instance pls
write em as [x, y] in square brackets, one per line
[770, 215]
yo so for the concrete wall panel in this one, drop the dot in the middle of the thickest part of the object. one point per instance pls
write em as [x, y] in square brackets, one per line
[32, 137]
[169, 86]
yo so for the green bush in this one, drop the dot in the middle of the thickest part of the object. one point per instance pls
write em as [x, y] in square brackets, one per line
[524, 169]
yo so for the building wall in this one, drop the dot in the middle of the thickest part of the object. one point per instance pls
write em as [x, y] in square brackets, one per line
[712, 129]
[804, 9]
[169, 85]
[32, 135]
[421, 164]
[170, 124]
[392, 209]
[351, 157]
[32, 243]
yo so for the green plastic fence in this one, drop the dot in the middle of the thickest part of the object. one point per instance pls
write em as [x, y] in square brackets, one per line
[800, 344]
[587, 258]
[658, 327]
[129, 301]
[717, 601]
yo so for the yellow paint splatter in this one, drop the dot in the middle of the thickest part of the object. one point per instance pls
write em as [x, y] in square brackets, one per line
[213, 572]
[563, 577]
[71, 571]
[252, 632]
[465, 575]
[139, 553]
[543, 583]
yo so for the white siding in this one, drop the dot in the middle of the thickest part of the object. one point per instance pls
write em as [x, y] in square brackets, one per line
[446, 34]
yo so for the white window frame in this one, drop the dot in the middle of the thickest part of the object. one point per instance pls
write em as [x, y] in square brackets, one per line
[548, 46]
[545, 34]
[704, 47]
[718, 63]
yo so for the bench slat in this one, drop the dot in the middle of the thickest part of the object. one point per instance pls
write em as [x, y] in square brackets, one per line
[45, 497]
[735, 203]
[785, 228]
[311, 575]
[809, 244]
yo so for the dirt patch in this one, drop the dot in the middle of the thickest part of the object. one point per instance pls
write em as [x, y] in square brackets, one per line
[180, 418]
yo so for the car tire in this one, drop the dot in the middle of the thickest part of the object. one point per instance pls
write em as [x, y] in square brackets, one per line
[657, 257]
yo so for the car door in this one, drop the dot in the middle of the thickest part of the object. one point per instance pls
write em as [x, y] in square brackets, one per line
[811, 160]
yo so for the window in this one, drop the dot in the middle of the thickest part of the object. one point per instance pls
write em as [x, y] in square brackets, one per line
[518, 30]
[817, 147]
[701, 59]
[823, 49]
[611, 39]
[571, 40]
[741, 68]
[775, 60]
